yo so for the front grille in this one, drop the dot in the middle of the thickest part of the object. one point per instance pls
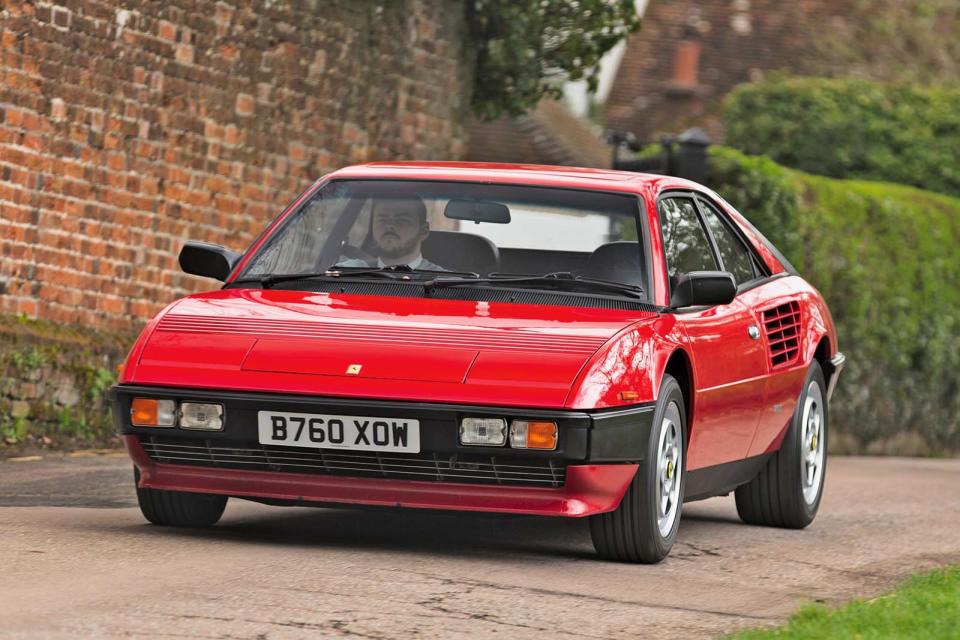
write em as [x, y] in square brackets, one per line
[430, 467]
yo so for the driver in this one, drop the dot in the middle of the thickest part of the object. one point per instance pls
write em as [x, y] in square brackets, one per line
[398, 228]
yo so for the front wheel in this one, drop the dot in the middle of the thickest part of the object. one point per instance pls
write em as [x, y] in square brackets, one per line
[179, 508]
[787, 491]
[644, 527]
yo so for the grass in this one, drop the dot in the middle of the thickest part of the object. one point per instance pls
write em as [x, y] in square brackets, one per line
[927, 606]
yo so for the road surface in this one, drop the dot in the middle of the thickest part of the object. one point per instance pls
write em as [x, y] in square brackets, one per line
[79, 561]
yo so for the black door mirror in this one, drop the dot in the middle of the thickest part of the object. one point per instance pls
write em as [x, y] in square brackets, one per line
[702, 288]
[209, 260]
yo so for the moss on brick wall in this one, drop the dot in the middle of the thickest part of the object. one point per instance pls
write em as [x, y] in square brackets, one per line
[887, 259]
[53, 382]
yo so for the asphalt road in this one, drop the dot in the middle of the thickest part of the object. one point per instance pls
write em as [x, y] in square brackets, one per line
[79, 561]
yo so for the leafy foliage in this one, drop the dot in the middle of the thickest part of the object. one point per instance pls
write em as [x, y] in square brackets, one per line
[527, 48]
[852, 129]
[887, 259]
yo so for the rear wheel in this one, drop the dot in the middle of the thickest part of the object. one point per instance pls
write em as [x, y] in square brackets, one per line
[179, 508]
[787, 491]
[644, 527]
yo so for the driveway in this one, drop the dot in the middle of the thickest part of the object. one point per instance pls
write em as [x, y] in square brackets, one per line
[79, 560]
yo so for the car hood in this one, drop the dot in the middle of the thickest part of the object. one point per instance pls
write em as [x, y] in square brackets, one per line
[346, 345]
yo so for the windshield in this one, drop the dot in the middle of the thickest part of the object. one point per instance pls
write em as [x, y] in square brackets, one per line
[466, 229]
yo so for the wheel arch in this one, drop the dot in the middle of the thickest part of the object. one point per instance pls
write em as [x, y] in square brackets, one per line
[681, 368]
[823, 355]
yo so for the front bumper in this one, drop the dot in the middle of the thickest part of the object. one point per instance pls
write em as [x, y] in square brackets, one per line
[589, 472]
[588, 489]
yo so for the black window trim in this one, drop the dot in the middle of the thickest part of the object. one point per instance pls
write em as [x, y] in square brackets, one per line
[741, 288]
[689, 195]
[759, 270]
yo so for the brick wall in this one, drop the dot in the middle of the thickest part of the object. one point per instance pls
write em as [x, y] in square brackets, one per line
[127, 127]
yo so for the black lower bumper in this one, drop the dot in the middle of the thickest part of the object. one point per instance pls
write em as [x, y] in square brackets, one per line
[603, 436]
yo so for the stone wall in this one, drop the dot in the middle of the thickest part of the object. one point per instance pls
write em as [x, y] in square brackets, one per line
[127, 127]
[53, 383]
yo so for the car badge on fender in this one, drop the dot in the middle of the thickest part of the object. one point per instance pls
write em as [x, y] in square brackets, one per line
[354, 369]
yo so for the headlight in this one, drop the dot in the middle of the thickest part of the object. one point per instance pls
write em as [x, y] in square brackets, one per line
[490, 432]
[202, 416]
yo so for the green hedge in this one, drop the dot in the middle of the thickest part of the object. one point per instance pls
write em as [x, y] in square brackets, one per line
[851, 129]
[887, 259]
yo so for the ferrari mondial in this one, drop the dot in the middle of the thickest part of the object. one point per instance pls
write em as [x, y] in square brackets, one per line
[516, 339]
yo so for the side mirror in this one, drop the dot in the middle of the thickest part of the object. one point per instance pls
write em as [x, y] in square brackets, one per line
[209, 260]
[702, 288]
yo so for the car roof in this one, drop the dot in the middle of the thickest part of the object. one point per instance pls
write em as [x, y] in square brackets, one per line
[533, 174]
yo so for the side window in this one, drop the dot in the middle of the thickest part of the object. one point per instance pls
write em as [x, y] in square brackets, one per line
[684, 240]
[735, 256]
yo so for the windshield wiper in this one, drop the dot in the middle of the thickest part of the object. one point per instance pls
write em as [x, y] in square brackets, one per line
[268, 281]
[391, 272]
[561, 278]
[338, 271]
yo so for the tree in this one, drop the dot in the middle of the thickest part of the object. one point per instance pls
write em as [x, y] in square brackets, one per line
[526, 49]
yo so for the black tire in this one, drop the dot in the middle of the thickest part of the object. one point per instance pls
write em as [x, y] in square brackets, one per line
[775, 498]
[179, 508]
[631, 533]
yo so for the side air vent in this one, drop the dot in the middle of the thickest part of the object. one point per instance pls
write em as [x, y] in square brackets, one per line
[782, 325]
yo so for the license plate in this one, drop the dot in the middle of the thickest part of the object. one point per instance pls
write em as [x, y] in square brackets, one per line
[319, 431]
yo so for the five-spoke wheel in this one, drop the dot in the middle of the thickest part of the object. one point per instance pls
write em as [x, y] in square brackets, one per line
[644, 527]
[787, 491]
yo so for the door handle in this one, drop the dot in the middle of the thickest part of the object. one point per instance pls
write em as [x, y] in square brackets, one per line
[753, 331]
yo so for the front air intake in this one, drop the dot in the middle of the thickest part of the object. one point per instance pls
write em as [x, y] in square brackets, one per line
[782, 326]
[429, 467]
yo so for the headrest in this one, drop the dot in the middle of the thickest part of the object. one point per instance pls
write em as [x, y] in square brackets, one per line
[617, 261]
[458, 251]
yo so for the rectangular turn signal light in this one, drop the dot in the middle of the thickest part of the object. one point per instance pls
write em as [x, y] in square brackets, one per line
[150, 412]
[529, 434]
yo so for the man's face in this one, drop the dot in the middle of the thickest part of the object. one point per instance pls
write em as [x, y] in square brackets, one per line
[398, 228]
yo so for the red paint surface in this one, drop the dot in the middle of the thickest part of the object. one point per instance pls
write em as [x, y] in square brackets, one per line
[589, 489]
[410, 349]
[730, 368]
[484, 353]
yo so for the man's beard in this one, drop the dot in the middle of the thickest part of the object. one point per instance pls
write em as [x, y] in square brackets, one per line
[398, 250]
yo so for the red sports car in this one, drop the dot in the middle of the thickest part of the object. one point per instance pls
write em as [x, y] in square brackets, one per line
[484, 337]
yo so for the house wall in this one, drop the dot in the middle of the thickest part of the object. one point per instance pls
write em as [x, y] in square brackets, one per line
[690, 53]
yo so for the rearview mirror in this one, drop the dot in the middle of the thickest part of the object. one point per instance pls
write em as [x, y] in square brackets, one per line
[702, 288]
[477, 211]
[209, 260]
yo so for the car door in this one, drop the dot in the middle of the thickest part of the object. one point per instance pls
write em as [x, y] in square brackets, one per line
[776, 310]
[728, 358]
